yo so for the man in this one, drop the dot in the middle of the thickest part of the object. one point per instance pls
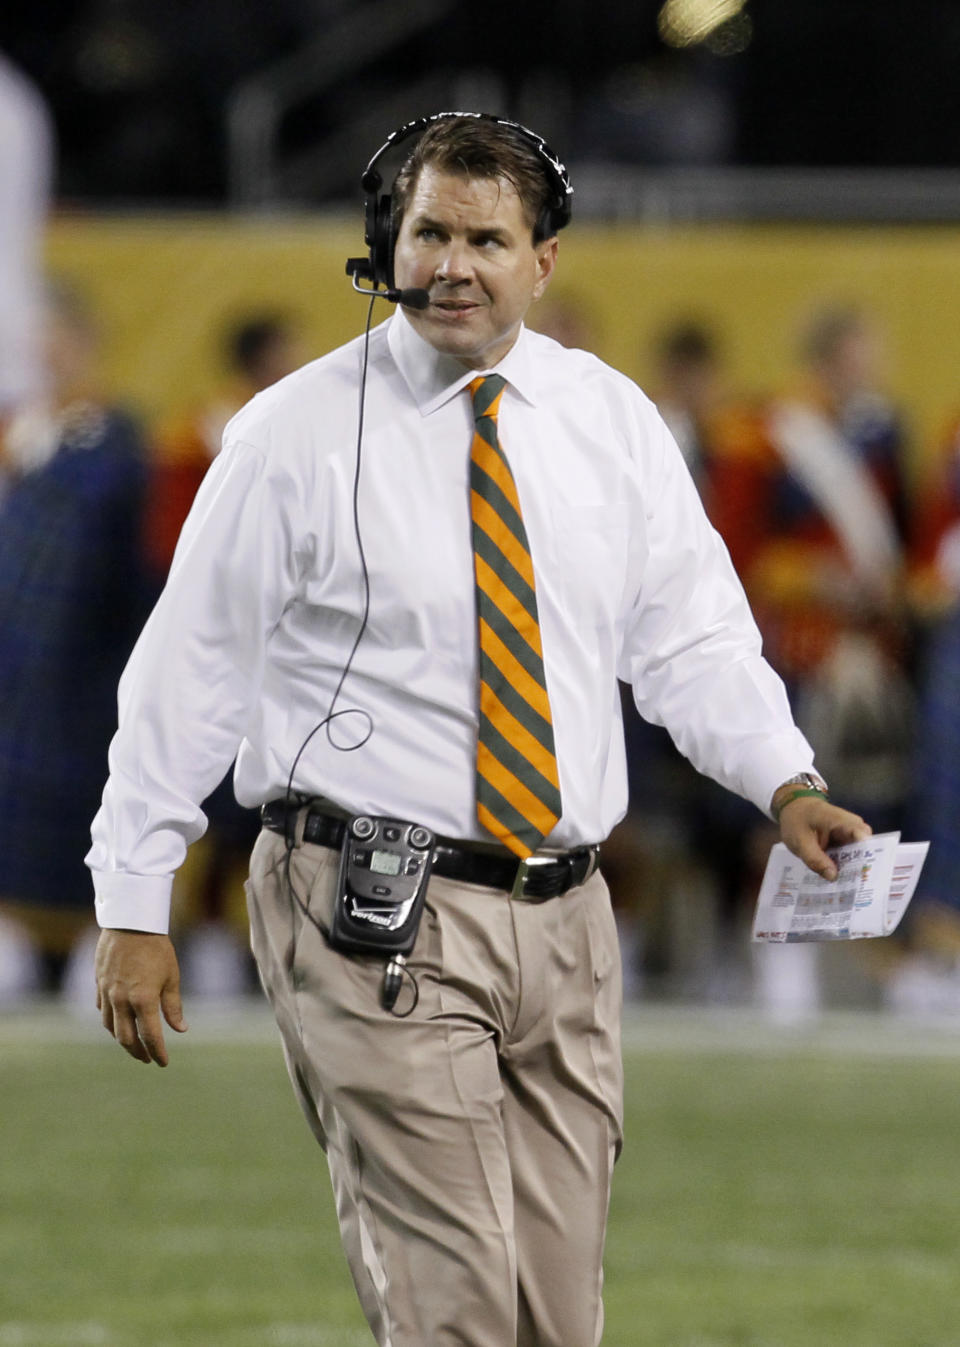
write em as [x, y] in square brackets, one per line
[73, 597]
[471, 1131]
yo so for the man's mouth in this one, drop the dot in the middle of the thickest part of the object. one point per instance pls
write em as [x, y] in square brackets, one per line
[454, 305]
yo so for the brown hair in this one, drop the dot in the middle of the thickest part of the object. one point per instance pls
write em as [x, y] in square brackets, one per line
[479, 147]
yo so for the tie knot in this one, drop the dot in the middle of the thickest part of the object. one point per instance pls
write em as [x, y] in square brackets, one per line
[485, 391]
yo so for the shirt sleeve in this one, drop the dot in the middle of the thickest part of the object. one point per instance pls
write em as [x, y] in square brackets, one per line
[691, 650]
[192, 683]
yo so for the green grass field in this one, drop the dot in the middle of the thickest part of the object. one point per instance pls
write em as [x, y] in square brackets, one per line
[774, 1190]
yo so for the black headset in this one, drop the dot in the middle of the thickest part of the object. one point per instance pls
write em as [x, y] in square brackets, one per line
[380, 223]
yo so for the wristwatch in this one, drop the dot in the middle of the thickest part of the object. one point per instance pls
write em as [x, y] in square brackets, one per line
[808, 781]
[804, 783]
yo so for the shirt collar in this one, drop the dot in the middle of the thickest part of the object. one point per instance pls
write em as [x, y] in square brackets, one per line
[434, 378]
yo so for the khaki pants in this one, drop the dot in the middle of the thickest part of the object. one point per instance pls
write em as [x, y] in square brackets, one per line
[471, 1143]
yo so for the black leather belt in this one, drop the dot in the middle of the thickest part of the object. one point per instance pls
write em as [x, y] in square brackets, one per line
[538, 877]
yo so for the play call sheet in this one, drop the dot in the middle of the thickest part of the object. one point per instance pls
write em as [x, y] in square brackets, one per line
[875, 882]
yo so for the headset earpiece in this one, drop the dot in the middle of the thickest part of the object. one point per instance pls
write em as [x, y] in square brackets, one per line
[384, 238]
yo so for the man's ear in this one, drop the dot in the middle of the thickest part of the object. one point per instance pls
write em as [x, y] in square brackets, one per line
[546, 262]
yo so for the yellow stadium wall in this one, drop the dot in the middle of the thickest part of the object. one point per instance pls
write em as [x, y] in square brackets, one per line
[165, 286]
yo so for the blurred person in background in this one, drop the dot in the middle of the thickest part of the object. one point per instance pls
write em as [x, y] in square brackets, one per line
[927, 977]
[812, 502]
[666, 920]
[936, 529]
[72, 597]
[257, 349]
[688, 390]
[808, 491]
[938, 765]
[26, 168]
[716, 828]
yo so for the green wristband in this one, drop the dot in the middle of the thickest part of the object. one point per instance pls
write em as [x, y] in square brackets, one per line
[795, 795]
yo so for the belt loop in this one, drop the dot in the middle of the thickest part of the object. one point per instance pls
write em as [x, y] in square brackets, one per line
[519, 879]
[298, 818]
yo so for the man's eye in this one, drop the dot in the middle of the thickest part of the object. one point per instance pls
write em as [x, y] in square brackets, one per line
[428, 234]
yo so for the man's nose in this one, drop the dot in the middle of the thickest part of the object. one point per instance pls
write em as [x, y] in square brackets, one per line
[454, 264]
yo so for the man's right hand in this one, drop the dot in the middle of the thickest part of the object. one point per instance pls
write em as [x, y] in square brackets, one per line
[137, 977]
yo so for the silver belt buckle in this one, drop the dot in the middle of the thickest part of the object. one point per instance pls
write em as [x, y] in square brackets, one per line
[523, 869]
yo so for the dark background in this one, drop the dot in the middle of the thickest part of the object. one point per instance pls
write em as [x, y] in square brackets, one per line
[138, 88]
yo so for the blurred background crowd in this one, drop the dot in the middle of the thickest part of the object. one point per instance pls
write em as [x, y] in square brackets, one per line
[767, 215]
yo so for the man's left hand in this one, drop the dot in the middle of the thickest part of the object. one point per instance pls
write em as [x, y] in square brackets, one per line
[811, 823]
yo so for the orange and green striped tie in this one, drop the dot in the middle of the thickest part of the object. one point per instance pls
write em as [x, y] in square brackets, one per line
[518, 791]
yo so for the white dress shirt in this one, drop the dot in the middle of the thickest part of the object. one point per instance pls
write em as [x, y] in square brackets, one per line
[264, 603]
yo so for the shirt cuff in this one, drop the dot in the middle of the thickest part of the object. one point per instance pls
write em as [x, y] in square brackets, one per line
[133, 902]
[784, 760]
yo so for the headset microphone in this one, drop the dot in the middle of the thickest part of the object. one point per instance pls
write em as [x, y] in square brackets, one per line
[411, 298]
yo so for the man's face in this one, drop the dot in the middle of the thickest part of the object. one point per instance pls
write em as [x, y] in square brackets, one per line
[467, 242]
